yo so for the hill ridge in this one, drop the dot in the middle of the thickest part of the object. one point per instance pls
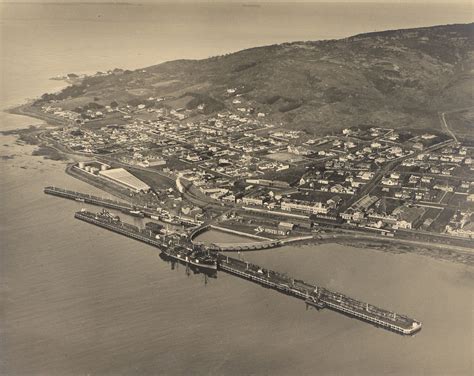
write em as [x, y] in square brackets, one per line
[396, 78]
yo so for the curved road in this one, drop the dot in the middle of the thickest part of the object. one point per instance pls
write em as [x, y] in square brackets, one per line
[445, 126]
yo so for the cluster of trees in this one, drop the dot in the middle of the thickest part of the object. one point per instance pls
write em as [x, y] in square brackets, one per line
[210, 104]
[285, 104]
[68, 92]
[290, 105]
[93, 106]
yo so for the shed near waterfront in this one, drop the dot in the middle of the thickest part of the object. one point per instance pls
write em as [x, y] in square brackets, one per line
[125, 179]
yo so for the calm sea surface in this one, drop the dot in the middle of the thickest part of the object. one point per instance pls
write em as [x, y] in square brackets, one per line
[78, 300]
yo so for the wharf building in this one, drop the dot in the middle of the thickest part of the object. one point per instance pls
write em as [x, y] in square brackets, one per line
[125, 179]
[357, 210]
[304, 206]
[119, 176]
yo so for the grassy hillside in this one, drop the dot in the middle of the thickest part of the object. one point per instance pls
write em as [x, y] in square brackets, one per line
[399, 78]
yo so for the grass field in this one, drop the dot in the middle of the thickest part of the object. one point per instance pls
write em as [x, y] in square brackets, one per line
[462, 123]
[285, 157]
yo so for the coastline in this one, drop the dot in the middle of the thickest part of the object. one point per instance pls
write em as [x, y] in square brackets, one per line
[439, 252]
[32, 136]
[442, 253]
[28, 110]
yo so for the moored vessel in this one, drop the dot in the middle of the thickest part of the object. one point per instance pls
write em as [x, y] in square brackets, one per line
[192, 255]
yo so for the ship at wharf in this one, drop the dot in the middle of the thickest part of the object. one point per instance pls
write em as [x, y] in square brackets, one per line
[313, 295]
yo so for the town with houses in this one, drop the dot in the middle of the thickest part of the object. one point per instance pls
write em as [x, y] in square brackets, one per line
[374, 179]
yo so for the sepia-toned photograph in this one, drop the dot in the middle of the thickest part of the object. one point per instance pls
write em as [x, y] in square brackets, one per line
[231, 187]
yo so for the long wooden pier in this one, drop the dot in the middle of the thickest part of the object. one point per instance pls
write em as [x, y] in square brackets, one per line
[88, 199]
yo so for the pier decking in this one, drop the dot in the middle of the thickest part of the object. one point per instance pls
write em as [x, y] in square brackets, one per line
[128, 230]
[89, 199]
[124, 207]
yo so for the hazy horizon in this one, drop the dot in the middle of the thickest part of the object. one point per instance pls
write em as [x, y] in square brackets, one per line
[138, 2]
[85, 38]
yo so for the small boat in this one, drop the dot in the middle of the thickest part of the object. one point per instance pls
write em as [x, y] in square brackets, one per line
[136, 213]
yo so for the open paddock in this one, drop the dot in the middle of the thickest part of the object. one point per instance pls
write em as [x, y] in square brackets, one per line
[285, 157]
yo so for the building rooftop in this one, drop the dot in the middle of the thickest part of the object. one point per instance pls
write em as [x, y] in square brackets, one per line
[408, 214]
[122, 176]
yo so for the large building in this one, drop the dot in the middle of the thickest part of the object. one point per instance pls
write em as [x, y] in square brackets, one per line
[252, 200]
[357, 210]
[269, 183]
[304, 206]
[125, 179]
[408, 217]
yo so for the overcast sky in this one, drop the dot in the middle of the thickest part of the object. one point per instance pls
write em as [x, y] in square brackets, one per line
[235, 1]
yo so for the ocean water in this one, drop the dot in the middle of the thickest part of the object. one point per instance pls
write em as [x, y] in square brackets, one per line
[79, 300]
